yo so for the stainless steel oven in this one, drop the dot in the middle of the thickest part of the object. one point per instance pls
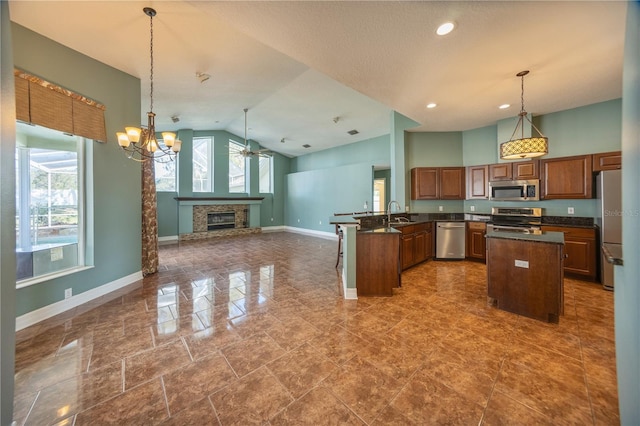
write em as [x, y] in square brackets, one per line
[516, 219]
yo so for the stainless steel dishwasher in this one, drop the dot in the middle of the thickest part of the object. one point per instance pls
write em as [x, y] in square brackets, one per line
[450, 240]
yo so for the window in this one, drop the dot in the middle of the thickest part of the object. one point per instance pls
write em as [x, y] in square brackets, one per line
[203, 164]
[49, 201]
[266, 177]
[165, 171]
[237, 167]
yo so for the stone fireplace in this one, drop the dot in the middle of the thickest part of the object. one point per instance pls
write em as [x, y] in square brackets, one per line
[211, 218]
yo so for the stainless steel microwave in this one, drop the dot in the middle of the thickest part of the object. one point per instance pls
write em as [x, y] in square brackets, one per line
[515, 190]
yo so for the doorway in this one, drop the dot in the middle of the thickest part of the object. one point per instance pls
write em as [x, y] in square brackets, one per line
[379, 199]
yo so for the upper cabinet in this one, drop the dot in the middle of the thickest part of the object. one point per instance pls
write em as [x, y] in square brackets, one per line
[607, 161]
[438, 183]
[566, 177]
[477, 182]
[521, 170]
[502, 171]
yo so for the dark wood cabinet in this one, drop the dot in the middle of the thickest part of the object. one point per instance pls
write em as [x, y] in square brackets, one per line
[425, 183]
[520, 170]
[526, 277]
[581, 251]
[417, 243]
[607, 161]
[566, 177]
[477, 182]
[502, 171]
[438, 183]
[526, 170]
[476, 245]
[377, 263]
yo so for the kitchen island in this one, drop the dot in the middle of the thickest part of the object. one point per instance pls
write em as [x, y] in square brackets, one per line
[377, 262]
[525, 273]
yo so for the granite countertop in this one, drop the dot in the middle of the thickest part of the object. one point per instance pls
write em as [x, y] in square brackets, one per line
[573, 222]
[613, 253]
[343, 220]
[544, 237]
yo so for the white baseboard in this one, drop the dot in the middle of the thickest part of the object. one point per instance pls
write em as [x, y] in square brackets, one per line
[273, 229]
[348, 293]
[169, 239]
[33, 317]
[311, 232]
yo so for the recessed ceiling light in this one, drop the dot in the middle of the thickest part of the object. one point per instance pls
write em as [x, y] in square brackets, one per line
[504, 106]
[432, 105]
[445, 28]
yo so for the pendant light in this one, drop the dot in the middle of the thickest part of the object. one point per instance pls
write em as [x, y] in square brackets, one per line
[524, 147]
[141, 144]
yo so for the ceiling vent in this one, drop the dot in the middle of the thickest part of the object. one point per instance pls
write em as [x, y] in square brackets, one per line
[353, 132]
[306, 145]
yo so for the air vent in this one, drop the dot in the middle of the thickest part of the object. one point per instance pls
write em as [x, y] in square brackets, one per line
[353, 132]
[306, 145]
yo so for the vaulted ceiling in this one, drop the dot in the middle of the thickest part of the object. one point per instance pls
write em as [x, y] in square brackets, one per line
[299, 65]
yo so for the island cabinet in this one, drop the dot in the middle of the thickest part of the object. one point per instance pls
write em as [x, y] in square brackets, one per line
[477, 182]
[581, 251]
[377, 263]
[566, 177]
[438, 183]
[607, 161]
[525, 276]
[476, 244]
[520, 170]
[416, 243]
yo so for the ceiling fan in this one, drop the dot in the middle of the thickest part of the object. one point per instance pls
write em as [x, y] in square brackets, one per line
[246, 152]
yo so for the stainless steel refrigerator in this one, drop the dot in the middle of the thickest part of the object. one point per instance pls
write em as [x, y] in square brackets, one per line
[609, 196]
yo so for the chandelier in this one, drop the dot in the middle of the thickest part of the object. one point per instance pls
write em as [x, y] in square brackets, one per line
[141, 144]
[516, 149]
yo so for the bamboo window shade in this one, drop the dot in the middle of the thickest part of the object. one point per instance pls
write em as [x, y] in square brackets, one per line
[48, 105]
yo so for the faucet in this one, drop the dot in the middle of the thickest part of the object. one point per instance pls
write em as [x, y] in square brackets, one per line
[389, 210]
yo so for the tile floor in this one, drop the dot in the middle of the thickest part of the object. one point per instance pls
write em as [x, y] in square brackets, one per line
[253, 330]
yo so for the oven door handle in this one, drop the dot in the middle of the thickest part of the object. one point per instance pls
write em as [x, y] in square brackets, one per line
[509, 228]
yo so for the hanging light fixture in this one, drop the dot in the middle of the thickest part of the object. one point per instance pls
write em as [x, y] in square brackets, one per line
[141, 144]
[524, 147]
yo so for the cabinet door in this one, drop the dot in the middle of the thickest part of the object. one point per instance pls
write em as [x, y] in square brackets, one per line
[580, 256]
[476, 243]
[452, 183]
[477, 182]
[525, 170]
[428, 244]
[419, 247]
[407, 251]
[607, 161]
[425, 183]
[566, 177]
[502, 171]
[580, 250]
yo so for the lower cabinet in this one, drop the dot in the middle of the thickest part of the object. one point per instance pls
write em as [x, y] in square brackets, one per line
[377, 266]
[416, 244]
[476, 245]
[581, 251]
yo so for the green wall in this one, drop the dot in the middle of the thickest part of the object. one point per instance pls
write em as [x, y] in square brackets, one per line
[374, 151]
[314, 196]
[116, 180]
[627, 290]
[7, 220]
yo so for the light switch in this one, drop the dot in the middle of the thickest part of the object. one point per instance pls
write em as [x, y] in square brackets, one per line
[472, 208]
[440, 208]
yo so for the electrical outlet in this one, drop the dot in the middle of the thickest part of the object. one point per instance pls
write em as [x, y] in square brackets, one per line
[440, 208]
[320, 222]
[271, 219]
[68, 293]
[570, 210]
[472, 208]
[298, 220]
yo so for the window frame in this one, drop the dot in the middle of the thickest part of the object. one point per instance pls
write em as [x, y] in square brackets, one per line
[209, 167]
